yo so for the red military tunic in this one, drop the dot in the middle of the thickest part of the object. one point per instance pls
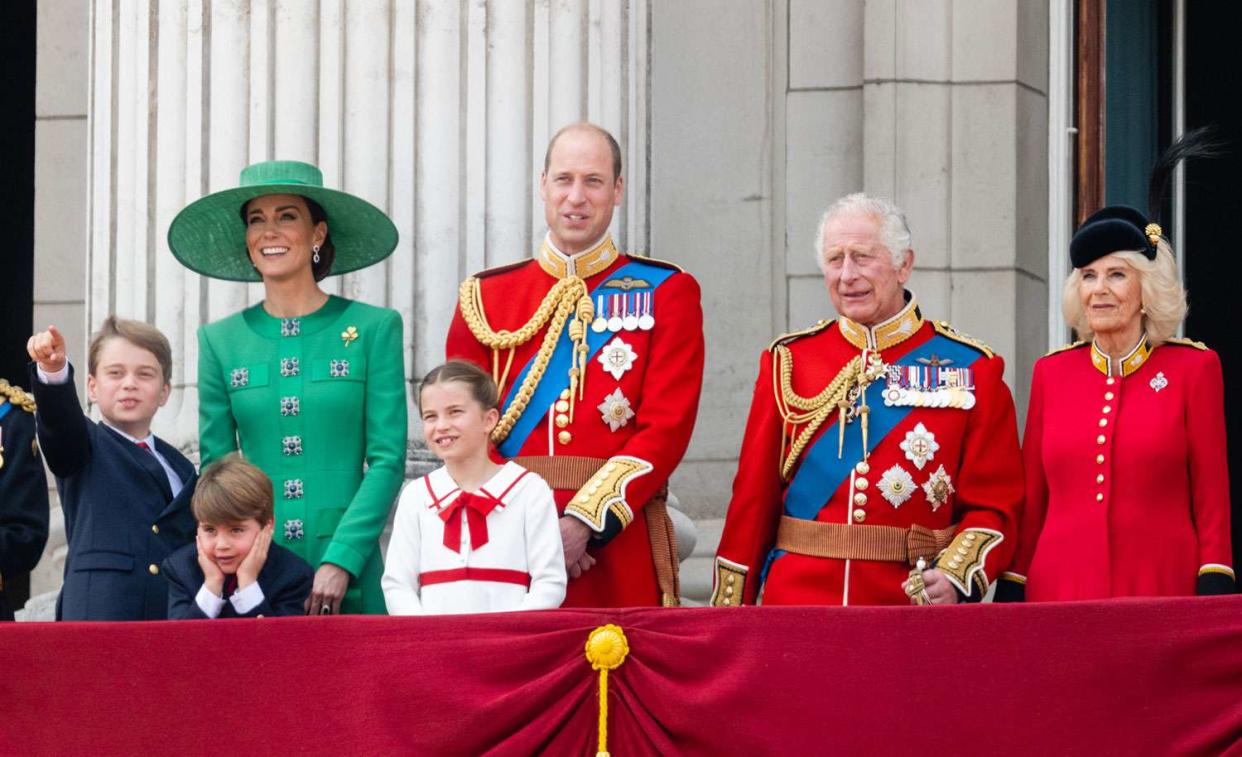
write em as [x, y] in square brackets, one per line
[1127, 485]
[808, 536]
[637, 412]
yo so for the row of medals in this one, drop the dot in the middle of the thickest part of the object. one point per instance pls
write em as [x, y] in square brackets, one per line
[961, 396]
[623, 312]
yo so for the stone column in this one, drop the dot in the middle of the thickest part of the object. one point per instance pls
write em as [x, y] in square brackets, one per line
[955, 107]
[437, 111]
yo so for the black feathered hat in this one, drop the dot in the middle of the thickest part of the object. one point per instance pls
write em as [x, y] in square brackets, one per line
[1107, 230]
[1120, 227]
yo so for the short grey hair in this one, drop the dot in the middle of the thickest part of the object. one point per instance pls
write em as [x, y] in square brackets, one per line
[1163, 296]
[894, 232]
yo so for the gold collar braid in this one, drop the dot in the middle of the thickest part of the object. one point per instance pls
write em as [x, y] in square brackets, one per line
[1122, 366]
[567, 296]
[583, 264]
[905, 324]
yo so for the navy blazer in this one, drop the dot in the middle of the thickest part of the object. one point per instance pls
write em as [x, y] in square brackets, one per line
[285, 580]
[23, 505]
[121, 519]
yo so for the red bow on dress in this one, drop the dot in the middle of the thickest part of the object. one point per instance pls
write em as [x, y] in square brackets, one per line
[477, 507]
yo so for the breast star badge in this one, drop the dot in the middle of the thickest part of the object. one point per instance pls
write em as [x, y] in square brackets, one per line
[920, 445]
[616, 410]
[938, 488]
[896, 486]
[617, 357]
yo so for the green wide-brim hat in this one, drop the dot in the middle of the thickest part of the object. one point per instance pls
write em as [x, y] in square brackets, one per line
[209, 236]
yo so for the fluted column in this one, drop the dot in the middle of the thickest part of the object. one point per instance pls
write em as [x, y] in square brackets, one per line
[437, 111]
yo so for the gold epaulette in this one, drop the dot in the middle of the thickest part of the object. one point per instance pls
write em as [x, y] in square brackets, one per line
[18, 396]
[1186, 342]
[656, 261]
[791, 336]
[1066, 348]
[944, 329]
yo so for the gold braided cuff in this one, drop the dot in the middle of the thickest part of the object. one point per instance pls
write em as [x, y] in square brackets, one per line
[1213, 567]
[1017, 578]
[962, 563]
[604, 492]
[730, 583]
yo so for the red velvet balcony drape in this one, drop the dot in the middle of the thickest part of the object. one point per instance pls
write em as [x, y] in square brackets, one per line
[1093, 678]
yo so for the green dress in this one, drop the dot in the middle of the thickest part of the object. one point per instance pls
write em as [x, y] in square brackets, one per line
[311, 400]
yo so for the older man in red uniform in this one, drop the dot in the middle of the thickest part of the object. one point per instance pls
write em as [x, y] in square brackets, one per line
[599, 360]
[876, 443]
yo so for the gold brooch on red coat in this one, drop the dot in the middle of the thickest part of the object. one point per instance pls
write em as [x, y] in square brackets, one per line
[938, 488]
[617, 357]
[616, 410]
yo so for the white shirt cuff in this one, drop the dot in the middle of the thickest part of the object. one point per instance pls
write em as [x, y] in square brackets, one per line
[59, 377]
[209, 603]
[245, 600]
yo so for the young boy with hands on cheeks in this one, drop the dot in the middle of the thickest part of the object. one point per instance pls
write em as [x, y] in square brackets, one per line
[125, 492]
[474, 535]
[233, 570]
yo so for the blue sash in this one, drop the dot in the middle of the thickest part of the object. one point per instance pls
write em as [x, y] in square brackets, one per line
[821, 472]
[556, 376]
[5, 408]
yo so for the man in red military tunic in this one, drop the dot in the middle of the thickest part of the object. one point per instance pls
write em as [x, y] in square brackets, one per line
[599, 360]
[876, 443]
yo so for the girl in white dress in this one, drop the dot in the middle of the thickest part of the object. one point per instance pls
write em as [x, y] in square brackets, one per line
[473, 535]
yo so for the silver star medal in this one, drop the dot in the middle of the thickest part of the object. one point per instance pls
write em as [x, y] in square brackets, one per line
[617, 357]
[920, 445]
[616, 410]
[938, 488]
[1159, 382]
[896, 486]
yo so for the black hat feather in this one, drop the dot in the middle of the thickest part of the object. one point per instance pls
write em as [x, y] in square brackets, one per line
[1121, 227]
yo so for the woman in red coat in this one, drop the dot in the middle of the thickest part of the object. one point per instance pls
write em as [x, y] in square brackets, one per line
[1127, 488]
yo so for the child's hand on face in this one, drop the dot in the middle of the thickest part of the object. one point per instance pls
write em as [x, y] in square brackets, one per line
[47, 348]
[252, 563]
[213, 577]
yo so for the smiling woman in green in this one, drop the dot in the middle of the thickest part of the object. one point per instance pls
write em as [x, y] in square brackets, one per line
[309, 386]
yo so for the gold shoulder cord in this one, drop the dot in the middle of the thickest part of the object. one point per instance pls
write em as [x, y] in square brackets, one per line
[568, 296]
[841, 395]
[813, 410]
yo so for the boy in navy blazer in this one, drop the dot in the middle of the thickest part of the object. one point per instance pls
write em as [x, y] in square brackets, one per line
[125, 493]
[233, 570]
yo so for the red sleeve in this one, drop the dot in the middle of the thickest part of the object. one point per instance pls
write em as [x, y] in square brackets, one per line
[754, 511]
[1036, 503]
[1209, 469]
[989, 480]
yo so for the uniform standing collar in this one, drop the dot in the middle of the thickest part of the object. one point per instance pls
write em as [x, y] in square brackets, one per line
[1123, 366]
[583, 265]
[888, 333]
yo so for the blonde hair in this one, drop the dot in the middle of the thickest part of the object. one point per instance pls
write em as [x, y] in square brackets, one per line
[1163, 296]
[231, 490]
